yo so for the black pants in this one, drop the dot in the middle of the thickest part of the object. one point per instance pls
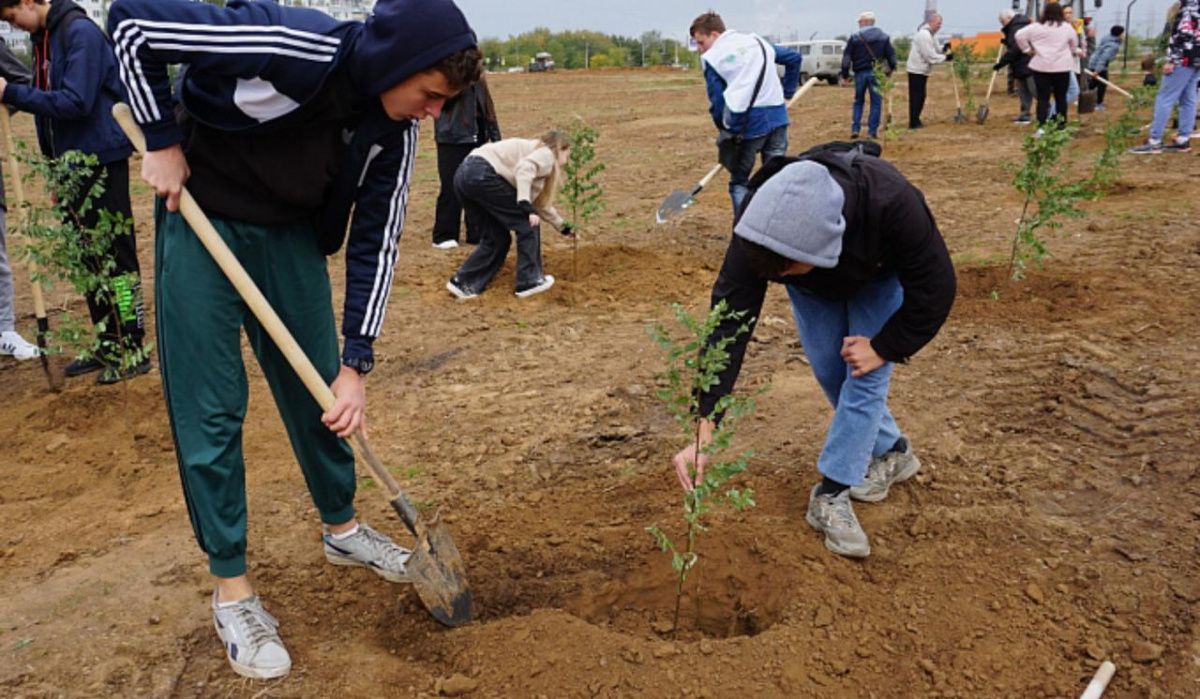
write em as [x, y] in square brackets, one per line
[916, 98]
[449, 208]
[1099, 86]
[1056, 85]
[491, 206]
[121, 311]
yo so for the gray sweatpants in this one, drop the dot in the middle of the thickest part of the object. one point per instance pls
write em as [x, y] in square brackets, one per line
[7, 319]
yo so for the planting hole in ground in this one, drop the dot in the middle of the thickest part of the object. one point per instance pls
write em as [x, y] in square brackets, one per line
[731, 592]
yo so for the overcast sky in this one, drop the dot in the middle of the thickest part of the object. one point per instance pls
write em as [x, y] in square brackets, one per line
[502, 18]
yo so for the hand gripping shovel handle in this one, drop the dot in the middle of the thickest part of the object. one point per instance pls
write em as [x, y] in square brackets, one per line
[1118, 88]
[435, 568]
[39, 302]
[266, 315]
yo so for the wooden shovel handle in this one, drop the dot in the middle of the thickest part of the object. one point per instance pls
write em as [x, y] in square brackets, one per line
[14, 168]
[808, 85]
[1118, 88]
[258, 304]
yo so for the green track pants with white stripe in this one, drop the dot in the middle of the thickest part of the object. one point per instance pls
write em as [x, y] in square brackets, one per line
[200, 317]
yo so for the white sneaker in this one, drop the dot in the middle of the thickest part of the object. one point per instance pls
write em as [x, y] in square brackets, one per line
[834, 515]
[446, 245]
[546, 282]
[896, 466]
[251, 639]
[369, 549]
[13, 345]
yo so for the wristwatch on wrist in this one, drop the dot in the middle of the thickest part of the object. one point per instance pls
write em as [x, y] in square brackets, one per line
[362, 365]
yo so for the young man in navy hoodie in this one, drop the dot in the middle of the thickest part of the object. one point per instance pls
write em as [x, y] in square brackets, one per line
[284, 120]
[74, 87]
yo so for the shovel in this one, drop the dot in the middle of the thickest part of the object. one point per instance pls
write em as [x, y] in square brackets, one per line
[39, 303]
[982, 115]
[959, 117]
[1118, 88]
[678, 201]
[436, 569]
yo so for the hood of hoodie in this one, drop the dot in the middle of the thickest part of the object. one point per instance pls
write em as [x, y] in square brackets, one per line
[404, 37]
[54, 16]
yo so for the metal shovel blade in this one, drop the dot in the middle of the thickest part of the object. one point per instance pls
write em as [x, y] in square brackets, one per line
[675, 203]
[959, 117]
[438, 573]
[1087, 101]
[982, 115]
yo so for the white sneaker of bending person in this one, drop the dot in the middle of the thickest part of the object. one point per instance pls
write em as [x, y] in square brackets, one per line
[896, 466]
[13, 345]
[367, 548]
[834, 515]
[251, 639]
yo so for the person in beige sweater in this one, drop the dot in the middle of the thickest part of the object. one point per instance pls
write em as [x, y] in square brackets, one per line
[507, 186]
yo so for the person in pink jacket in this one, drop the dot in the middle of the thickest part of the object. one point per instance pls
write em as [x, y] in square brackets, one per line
[1053, 43]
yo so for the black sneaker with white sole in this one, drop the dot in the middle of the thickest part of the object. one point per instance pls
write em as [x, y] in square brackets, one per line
[545, 283]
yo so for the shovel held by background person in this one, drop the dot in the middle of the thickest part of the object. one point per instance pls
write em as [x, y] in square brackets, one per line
[1118, 88]
[982, 115]
[436, 568]
[678, 201]
[959, 117]
[39, 302]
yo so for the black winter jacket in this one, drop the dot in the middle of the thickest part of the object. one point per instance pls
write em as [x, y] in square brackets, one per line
[892, 233]
[1014, 56]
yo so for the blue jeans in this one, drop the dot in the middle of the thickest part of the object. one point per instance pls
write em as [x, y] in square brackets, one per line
[862, 426]
[864, 82]
[771, 145]
[1178, 87]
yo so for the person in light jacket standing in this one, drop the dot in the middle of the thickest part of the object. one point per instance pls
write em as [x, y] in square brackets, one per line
[1053, 43]
[923, 56]
[1179, 77]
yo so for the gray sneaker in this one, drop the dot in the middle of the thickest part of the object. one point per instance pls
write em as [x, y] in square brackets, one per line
[369, 549]
[896, 466]
[834, 515]
[251, 639]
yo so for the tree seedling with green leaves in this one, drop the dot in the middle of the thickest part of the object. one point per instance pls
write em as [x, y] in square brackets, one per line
[63, 249]
[582, 190]
[964, 54]
[694, 364]
[1119, 135]
[1050, 195]
[885, 87]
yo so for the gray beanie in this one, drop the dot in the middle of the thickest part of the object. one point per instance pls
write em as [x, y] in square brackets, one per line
[798, 214]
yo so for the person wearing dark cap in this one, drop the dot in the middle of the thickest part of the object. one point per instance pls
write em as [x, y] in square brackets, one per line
[288, 119]
[870, 283]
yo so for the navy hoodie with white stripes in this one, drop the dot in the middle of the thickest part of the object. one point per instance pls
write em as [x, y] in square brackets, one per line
[281, 119]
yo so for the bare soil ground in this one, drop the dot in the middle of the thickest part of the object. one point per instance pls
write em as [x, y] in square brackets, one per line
[1055, 523]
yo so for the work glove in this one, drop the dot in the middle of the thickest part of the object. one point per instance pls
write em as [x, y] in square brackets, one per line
[949, 55]
[996, 68]
[946, 47]
[568, 230]
[526, 207]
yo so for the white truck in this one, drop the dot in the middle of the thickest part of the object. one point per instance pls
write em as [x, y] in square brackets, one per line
[822, 58]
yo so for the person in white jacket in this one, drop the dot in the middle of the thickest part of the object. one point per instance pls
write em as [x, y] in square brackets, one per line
[921, 60]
